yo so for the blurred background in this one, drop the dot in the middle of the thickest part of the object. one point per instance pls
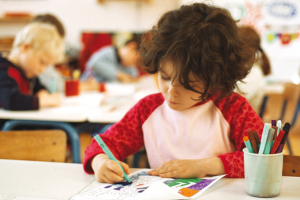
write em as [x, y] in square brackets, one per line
[276, 21]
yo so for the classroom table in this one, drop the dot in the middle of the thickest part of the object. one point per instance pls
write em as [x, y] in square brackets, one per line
[61, 181]
[88, 107]
[73, 109]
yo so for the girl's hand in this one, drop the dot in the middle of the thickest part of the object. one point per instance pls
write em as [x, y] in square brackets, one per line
[108, 171]
[189, 168]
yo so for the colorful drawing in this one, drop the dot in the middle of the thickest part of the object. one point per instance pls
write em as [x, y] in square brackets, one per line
[189, 187]
[141, 182]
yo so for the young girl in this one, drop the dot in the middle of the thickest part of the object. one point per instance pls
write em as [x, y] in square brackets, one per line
[253, 85]
[195, 126]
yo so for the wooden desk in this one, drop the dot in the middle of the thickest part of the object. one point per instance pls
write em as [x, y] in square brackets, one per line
[61, 181]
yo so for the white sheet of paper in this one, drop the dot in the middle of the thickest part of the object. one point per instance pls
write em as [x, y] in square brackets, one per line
[145, 186]
[2, 196]
[30, 198]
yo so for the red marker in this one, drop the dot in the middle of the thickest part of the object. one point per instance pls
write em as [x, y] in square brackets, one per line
[277, 141]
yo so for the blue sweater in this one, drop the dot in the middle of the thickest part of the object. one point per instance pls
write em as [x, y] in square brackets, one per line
[105, 64]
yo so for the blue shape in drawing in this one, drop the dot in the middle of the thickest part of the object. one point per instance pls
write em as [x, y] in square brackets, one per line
[123, 183]
[118, 188]
[108, 186]
[135, 177]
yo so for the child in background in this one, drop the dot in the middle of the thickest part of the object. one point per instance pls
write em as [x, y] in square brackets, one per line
[51, 73]
[195, 126]
[35, 47]
[253, 85]
[114, 64]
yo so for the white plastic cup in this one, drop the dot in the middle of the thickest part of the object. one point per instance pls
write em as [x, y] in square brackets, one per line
[263, 173]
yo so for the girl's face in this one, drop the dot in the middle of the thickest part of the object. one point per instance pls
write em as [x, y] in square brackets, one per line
[177, 97]
[33, 63]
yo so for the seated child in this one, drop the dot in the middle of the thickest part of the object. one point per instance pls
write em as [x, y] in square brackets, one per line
[195, 126]
[35, 47]
[253, 85]
[114, 64]
[51, 71]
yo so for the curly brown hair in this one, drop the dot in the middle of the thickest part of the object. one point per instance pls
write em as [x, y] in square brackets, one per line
[253, 39]
[203, 40]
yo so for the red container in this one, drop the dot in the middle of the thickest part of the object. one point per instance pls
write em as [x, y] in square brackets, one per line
[102, 87]
[72, 88]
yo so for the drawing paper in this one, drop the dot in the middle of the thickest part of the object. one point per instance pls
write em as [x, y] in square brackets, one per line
[145, 186]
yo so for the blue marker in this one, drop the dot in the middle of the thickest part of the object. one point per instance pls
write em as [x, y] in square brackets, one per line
[264, 138]
[109, 154]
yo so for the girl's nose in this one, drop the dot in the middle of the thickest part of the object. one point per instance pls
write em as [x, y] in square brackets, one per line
[173, 89]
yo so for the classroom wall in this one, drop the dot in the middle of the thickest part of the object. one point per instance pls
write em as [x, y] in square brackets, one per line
[90, 15]
[278, 22]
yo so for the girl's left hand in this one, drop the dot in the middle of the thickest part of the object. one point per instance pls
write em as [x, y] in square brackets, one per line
[180, 169]
[189, 168]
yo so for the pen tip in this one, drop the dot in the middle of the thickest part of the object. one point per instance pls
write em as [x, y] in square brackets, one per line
[95, 134]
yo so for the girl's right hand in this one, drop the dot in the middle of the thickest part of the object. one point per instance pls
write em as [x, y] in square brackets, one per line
[108, 171]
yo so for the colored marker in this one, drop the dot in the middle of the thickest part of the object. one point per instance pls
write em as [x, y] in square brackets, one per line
[275, 133]
[252, 141]
[269, 141]
[277, 141]
[256, 139]
[264, 138]
[52, 85]
[286, 129]
[273, 122]
[248, 144]
[109, 154]
[278, 124]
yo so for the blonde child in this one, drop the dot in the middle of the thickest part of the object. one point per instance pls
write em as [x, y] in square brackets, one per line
[195, 126]
[35, 47]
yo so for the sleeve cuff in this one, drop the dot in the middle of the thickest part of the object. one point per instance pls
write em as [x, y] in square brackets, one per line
[225, 164]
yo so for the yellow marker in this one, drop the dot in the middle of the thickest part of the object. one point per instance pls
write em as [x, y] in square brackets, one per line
[76, 74]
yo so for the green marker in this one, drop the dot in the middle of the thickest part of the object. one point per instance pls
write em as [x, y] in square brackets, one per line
[248, 144]
[269, 143]
[109, 154]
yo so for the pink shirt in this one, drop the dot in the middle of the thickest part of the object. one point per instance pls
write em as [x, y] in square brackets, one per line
[212, 128]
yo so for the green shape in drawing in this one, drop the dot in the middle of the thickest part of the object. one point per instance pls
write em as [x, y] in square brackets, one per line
[184, 182]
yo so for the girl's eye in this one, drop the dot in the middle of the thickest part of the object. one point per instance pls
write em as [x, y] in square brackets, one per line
[165, 78]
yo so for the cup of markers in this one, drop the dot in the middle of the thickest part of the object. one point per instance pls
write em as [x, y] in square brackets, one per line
[263, 159]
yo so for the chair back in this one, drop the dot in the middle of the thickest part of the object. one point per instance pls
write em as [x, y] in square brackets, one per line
[36, 145]
[291, 165]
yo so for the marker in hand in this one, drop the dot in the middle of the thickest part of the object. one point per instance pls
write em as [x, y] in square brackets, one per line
[109, 154]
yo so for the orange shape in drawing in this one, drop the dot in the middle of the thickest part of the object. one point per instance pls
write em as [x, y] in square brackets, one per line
[188, 192]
